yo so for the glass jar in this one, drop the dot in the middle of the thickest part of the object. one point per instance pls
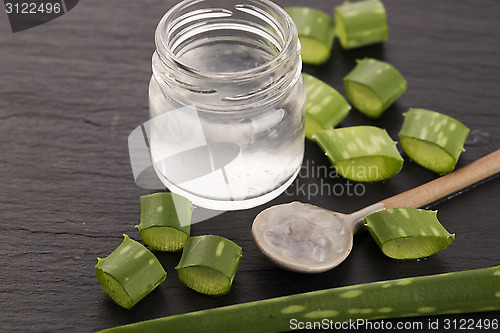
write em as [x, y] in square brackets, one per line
[226, 103]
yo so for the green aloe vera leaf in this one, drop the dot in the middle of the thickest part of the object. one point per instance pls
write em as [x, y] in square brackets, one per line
[408, 233]
[361, 23]
[165, 221]
[373, 85]
[316, 32]
[129, 273]
[209, 264]
[432, 140]
[325, 107]
[361, 153]
[457, 292]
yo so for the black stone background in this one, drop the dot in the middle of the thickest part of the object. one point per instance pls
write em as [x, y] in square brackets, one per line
[73, 89]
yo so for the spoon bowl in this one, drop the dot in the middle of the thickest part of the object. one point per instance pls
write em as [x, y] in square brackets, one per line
[309, 239]
[306, 238]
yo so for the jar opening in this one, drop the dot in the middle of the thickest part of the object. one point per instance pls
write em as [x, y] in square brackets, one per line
[201, 38]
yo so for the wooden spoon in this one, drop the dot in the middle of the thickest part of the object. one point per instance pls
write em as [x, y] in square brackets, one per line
[306, 238]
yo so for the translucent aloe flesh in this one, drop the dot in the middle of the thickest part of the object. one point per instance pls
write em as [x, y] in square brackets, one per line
[129, 273]
[316, 32]
[325, 107]
[165, 221]
[209, 264]
[433, 140]
[373, 85]
[361, 153]
[361, 23]
[458, 292]
[408, 233]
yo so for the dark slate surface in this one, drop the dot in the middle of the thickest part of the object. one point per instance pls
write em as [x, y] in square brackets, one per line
[73, 89]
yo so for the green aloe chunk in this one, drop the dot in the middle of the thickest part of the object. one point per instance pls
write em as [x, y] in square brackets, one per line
[408, 233]
[165, 221]
[316, 32]
[361, 153]
[360, 23]
[432, 140]
[457, 292]
[129, 273]
[325, 107]
[373, 85]
[209, 264]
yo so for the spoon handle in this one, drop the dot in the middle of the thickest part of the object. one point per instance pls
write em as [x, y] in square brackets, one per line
[441, 187]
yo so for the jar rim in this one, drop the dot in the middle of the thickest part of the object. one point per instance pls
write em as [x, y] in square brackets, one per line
[290, 42]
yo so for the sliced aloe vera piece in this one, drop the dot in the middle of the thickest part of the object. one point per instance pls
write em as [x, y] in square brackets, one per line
[165, 221]
[361, 153]
[316, 32]
[129, 273]
[209, 264]
[373, 85]
[408, 233]
[361, 23]
[325, 107]
[433, 140]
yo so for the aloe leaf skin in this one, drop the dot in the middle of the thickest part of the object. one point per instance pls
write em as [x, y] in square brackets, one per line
[374, 85]
[325, 107]
[209, 264]
[432, 140]
[316, 33]
[361, 23]
[408, 233]
[129, 273]
[457, 292]
[165, 221]
[361, 153]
